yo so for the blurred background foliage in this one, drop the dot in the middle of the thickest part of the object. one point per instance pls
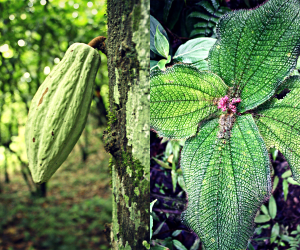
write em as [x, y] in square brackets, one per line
[67, 212]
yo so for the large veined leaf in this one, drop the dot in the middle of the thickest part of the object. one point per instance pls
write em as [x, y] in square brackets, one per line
[257, 49]
[227, 180]
[279, 124]
[181, 97]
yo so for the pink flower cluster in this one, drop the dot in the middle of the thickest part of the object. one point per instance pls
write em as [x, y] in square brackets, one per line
[225, 103]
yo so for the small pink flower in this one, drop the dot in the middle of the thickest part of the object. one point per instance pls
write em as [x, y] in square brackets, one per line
[236, 100]
[232, 107]
[224, 103]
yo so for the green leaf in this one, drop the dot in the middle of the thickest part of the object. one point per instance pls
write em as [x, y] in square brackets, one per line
[153, 63]
[286, 174]
[161, 43]
[159, 227]
[298, 63]
[286, 238]
[274, 153]
[256, 49]
[204, 25]
[201, 65]
[174, 176]
[152, 204]
[194, 50]
[262, 218]
[250, 247]
[161, 163]
[199, 32]
[275, 183]
[227, 180]
[176, 233]
[173, 147]
[179, 245]
[153, 25]
[274, 232]
[285, 187]
[272, 207]
[264, 209]
[151, 218]
[221, 11]
[207, 5]
[180, 98]
[162, 64]
[196, 245]
[291, 181]
[204, 16]
[216, 4]
[181, 182]
[278, 122]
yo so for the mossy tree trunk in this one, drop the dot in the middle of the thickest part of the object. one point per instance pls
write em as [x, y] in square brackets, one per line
[127, 135]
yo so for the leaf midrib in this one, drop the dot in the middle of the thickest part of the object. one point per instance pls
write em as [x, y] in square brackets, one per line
[167, 117]
[250, 55]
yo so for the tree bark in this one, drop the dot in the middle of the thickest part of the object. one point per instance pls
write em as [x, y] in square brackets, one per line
[128, 137]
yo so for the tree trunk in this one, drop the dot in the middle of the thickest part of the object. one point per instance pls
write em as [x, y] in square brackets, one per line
[127, 137]
[41, 190]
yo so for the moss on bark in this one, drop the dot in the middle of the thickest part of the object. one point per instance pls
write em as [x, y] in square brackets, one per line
[127, 138]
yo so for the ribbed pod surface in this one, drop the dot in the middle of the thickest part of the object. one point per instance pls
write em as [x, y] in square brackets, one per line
[59, 111]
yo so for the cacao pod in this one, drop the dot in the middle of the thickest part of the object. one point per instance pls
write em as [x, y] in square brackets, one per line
[59, 111]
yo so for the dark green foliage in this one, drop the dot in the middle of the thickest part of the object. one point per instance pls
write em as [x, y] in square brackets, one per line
[188, 18]
[207, 17]
[59, 227]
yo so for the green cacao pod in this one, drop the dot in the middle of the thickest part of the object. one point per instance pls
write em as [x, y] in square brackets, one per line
[59, 111]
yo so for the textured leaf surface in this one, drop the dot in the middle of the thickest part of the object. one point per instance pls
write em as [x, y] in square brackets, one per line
[226, 181]
[257, 49]
[180, 98]
[279, 124]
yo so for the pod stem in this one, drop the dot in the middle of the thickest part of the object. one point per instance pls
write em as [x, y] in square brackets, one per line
[99, 44]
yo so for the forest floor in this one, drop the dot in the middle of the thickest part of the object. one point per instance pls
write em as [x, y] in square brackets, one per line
[73, 214]
[167, 225]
